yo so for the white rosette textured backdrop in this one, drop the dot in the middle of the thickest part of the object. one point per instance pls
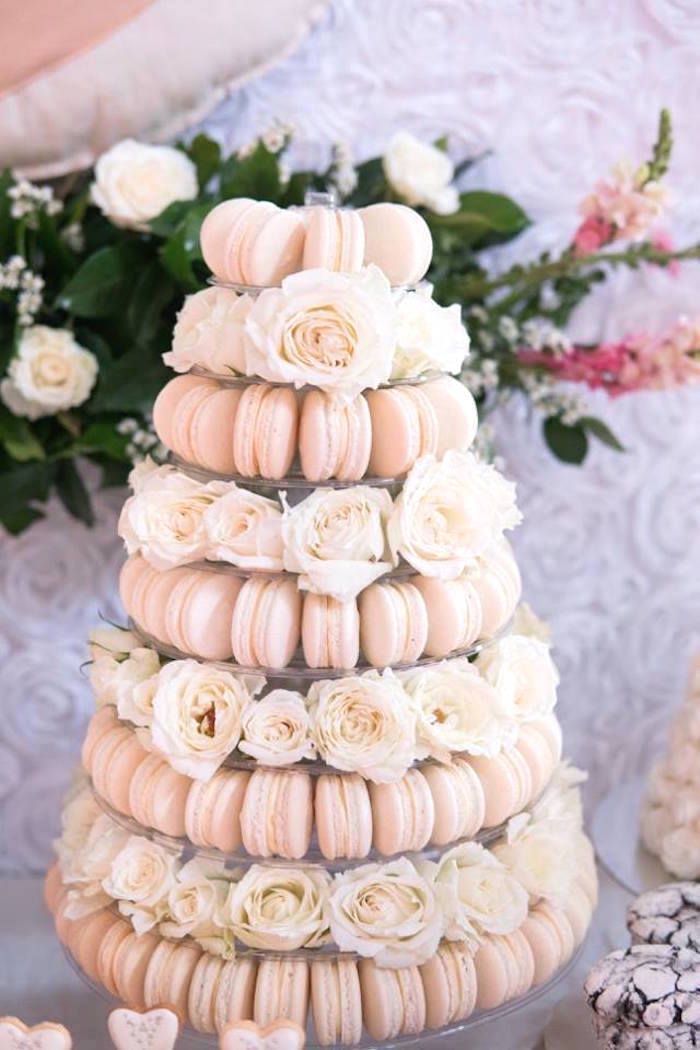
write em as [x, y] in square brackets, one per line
[610, 553]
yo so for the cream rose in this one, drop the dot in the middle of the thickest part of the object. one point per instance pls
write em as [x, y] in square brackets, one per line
[526, 622]
[195, 901]
[50, 373]
[164, 520]
[135, 182]
[561, 800]
[136, 685]
[77, 818]
[331, 330]
[387, 912]
[109, 649]
[85, 868]
[478, 894]
[197, 712]
[421, 174]
[538, 854]
[448, 512]
[364, 724]
[245, 529]
[210, 332]
[279, 909]
[457, 711]
[140, 879]
[277, 729]
[429, 337]
[336, 540]
[523, 675]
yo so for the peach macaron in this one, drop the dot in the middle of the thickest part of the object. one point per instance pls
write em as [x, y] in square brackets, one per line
[398, 241]
[343, 815]
[281, 990]
[330, 632]
[393, 1001]
[252, 242]
[454, 613]
[213, 810]
[335, 239]
[394, 624]
[265, 431]
[335, 437]
[277, 814]
[449, 981]
[403, 814]
[459, 801]
[336, 1002]
[265, 628]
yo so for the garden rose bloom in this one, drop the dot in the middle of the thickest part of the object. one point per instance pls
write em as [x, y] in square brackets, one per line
[109, 650]
[429, 337]
[135, 182]
[197, 712]
[448, 512]
[244, 529]
[336, 540]
[457, 711]
[335, 331]
[522, 674]
[210, 332]
[140, 879]
[386, 912]
[50, 373]
[195, 900]
[136, 685]
[364, 724]
[277, 729]
[278, 908]
[421, 174]
[539, 855]
[478, 894]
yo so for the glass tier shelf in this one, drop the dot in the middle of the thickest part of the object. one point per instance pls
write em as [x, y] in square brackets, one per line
[297, 671]
[293, 482]
[254, 290]
[428, 1037]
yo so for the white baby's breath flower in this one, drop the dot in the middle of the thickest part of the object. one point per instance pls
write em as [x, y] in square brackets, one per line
[135, 182]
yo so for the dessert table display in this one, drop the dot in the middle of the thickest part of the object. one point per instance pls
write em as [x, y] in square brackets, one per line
[323, 781]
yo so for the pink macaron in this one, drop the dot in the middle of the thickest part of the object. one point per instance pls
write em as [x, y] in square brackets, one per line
[201, 999]
[498, 585]
[507, 783]
[404, 428]
[167, 404]
[206, 615]
[343, 815]
[265, 431]
[131, 961]
[403, 814]
[456, 413]
[336, 1002]
[454, 613]
[107, 951]
[449, 981]
[213, 810]
[277, 814]
[252, 242]
[330, 632]
[335, 437]
[459, 801]
[266, 624]
[212, 428]
[102, 722]
[281, 990]
[394, 623]
[335, 240]
[393, 1001]
[235, 992]
[398, 241]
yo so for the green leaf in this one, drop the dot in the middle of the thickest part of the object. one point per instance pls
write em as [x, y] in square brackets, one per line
[182, 249]
[256, 176]
[9, 337]
[602, 432]
[7, 225]
[569, 444]
[371, 183]
[130, 384]
[104, 438]
[17, 438]
[483, 218]
[23, 484]
[295, 190]
[206, 156]
[165, 224]
[58, 256]
[94, 342]
[101, 286]
[72, 492]
[113, 473]
[152, 293]
[17, 519]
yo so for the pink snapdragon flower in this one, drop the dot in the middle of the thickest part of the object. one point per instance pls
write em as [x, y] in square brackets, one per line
[623, 206]
[640, 361]
[663, 242]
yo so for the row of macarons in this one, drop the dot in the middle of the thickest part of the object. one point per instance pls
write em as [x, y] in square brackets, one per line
[259, 621]
[291, 813]
[263, 430]
[256, 243]
[342, 997]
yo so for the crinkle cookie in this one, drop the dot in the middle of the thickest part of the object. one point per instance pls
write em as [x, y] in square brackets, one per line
[647, 986]
[669, 914]
[626, 1037]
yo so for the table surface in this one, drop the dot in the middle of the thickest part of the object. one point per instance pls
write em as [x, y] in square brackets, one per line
[37, 983]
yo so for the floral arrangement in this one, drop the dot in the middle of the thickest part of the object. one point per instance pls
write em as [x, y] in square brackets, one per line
[93, 272]
[395, 912]
[197, 714]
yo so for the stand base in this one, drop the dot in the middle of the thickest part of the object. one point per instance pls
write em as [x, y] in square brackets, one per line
[615, 834]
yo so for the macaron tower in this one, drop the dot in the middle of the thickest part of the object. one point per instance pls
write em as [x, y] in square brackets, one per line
[323, 780]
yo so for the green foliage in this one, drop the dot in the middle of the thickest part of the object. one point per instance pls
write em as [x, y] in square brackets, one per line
[568, 443]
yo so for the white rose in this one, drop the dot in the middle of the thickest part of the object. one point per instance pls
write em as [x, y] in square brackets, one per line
[457, 711]
[540, 857]
[364, 724]
[141, 472]
[92, 862]
[245, 529]
[527, 623]
[196, 899]
[109, 650]
[164, 520]
[50, 373]
[478, 894]
[197, 712]
[331, 330]
[523, 674]
[421, 174]
[429, 337]
[136, 685]
[210, 332]
[77, 818]
[112, 640]
[448, 512]
[388, 912]
[561, 799]
[279, 909]
[277, 728]
[336, 540]
[140, 879]
[135, 182]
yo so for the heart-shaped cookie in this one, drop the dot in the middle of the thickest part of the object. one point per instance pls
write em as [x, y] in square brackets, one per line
[16, 1035]
[155, 1029]
[246, 1035]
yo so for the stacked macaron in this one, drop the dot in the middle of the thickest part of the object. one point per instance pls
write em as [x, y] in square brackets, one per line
[260, 620]
[342, 997]
[261, 430]
[255, 243]
[289, 813]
